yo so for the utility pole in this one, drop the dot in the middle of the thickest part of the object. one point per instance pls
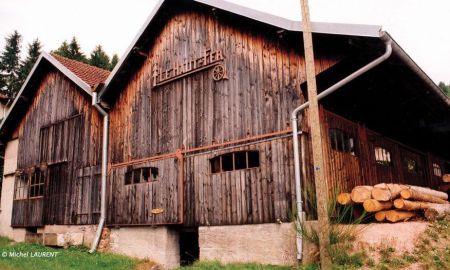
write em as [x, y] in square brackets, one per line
[316, 135]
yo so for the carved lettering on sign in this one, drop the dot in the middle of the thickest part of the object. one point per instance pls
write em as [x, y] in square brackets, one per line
[208, 60]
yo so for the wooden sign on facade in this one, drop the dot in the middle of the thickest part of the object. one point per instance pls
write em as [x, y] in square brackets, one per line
[208, 60]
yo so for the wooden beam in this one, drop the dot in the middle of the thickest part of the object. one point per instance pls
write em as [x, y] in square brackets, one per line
[316, 135]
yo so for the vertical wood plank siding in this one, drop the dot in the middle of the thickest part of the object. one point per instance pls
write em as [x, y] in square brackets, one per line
[264, 74]
[346, 171]
[263, 87]
[133, 203]
[61, 133]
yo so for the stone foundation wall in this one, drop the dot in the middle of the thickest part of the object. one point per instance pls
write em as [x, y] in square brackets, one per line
[158, 244]
[66, 235]
[262, 243]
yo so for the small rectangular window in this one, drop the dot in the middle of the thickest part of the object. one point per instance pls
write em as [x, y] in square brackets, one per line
[235, 161]
[141, 175]
[411, 165]
[240, 160]
[437, 171]
[253, 159]
[342, 141]
[227, 162]
[382, 156]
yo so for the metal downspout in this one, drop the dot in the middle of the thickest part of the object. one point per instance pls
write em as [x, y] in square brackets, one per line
[104, 172]
[294, 121]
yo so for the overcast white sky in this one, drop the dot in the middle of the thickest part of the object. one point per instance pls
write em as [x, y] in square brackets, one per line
[420, 27]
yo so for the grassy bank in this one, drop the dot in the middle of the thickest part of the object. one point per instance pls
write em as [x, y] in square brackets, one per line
[21, 256]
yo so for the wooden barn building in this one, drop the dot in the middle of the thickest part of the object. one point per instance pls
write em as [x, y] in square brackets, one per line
[53, 140]
[199, 156]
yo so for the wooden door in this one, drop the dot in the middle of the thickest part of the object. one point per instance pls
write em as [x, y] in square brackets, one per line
[383, 159]
[88, 185]
[413, 167]
[56, 193]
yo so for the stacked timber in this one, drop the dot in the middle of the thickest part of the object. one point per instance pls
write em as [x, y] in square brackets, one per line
[396, 202]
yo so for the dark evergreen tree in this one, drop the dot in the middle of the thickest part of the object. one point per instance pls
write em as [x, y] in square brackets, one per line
[114, 61]
[71, 50]
[75, 52]
[63, 50]
[99, 58]
[34, 50]
[10, 64]
[445, 88]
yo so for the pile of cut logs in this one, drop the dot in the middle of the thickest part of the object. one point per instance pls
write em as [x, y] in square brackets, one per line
[395, 202]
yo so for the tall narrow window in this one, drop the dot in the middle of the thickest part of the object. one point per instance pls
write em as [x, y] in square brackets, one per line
[235, 161]
[37, 183]
[21, 187]
[437, 170]
[342, 141]
[382, 156]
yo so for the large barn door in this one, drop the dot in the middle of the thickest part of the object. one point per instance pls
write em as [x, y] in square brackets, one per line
[57, 144]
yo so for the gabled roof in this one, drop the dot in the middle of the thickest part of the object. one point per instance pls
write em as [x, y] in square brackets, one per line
[357, 30]
[268, 19]
[82, 75]
[89, 74]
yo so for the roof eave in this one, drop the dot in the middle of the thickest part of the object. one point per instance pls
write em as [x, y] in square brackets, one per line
[398, 50]
[69, 74]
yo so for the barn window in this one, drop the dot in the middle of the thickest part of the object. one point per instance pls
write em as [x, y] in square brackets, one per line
[235, 161]
[37, 183]
[141, 175]
[21, 186]
[411, 165]
[342, 141]
[382, 156]
[437, 170]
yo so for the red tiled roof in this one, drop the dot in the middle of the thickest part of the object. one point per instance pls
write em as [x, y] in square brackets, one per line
[89, 74]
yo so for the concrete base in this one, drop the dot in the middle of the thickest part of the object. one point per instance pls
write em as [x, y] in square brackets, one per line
[262, 243]
[68, 235]
[158, 244]
[401, 236]
[373, 237]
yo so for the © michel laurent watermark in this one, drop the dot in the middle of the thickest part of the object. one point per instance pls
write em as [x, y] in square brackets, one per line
[28, 254]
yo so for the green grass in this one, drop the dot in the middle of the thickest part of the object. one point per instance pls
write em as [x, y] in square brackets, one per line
[75, 258]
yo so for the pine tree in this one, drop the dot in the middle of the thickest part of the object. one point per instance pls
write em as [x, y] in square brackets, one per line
[10, 64]
[34, 50]
[114, 61]
[99, 58]
[75, 52]
[63, 50]
[71, 50]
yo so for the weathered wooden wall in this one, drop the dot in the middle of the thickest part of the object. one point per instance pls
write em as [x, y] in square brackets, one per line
[60, 133]
[263, 87]
[133, 204]
[264, 73]
[346, 170]
[263, 194]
